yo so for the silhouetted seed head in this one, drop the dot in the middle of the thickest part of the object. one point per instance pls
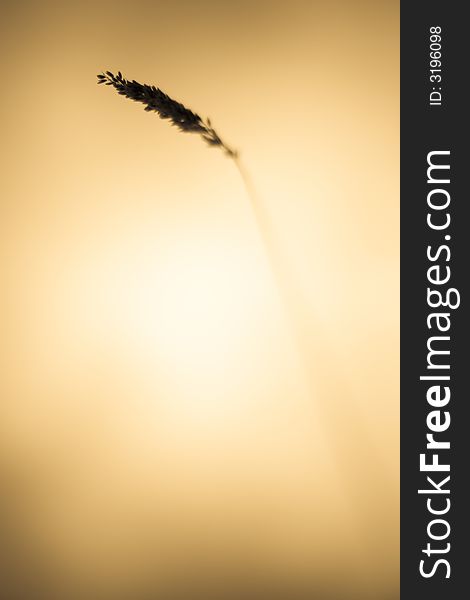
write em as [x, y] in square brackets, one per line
[157, 101]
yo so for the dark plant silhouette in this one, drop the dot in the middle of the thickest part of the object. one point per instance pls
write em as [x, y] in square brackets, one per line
[297, 313]
[157, 101]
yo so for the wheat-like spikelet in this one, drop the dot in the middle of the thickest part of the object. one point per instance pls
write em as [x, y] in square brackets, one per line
[296, 312]
[157, 101]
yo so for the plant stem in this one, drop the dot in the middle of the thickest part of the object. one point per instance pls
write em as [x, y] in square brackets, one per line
[327, 383]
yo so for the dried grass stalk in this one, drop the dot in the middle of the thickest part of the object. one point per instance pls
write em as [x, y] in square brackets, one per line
[157, 101]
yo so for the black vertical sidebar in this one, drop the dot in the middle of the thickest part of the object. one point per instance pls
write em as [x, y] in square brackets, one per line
[427, 128]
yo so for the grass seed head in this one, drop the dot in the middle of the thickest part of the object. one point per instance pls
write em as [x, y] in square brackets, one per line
[157, 101]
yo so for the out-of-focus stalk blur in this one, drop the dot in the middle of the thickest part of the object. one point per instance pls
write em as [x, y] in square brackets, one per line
[160, 434]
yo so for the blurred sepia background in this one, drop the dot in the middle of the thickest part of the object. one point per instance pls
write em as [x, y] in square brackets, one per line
[168, 430]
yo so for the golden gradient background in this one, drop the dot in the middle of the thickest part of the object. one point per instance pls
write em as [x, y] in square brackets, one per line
[163, 435]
